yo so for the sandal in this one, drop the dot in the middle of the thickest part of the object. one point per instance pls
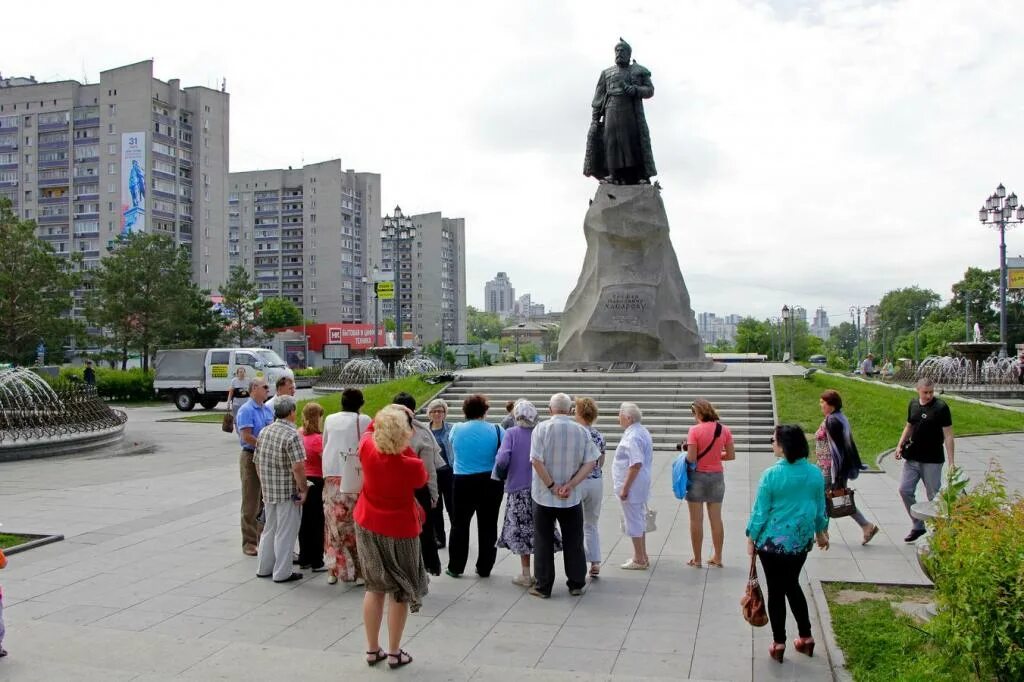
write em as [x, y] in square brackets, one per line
[398, 657]
[712, 562]
[632, 565]
[694, 563]
[595, 571]
[378, 656]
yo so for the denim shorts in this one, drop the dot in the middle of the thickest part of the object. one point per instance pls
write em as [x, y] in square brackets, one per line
[706, 487]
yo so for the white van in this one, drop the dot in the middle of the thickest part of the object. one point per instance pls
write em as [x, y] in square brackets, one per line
[203, 375]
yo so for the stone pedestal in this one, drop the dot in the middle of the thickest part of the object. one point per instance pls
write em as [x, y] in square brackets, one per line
[630, 303]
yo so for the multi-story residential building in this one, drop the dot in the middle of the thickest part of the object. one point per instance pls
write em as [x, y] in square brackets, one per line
[525, 309]
[432, 278]
[308, 235]
[820, 326]
[500, 296]
[89, 162]
[713, 329]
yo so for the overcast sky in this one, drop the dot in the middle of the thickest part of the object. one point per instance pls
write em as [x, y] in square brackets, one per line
[813, 153]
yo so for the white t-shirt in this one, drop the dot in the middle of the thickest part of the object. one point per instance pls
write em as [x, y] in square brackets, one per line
[341, 434]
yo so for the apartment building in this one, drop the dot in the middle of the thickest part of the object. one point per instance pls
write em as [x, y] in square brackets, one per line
[131, 153]
[500, 296]
[432, 278]
[308, 235]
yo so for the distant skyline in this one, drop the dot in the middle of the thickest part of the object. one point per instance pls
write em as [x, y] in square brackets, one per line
[823, 152]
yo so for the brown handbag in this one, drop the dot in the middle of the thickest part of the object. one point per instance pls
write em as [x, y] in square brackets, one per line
[752, 601]
[839, 502]
[227, 424]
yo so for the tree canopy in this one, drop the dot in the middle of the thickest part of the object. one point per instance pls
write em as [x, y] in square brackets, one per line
[276, 313]
[240, 305]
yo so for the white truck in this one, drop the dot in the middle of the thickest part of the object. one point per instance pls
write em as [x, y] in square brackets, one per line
[203, 375]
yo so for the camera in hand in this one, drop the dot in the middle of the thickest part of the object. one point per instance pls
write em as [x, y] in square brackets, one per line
[682, 446]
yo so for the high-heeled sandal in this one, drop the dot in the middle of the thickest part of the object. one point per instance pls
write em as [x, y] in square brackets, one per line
[776, 651]
[804, 645]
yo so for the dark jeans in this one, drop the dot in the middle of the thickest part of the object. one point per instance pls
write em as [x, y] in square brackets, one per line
[428, 545]
[311, 529]
[474, 494]
[444, 500]
[574, 558]
[782, 577]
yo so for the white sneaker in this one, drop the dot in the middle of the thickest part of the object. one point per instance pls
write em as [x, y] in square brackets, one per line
[523, 581]
[332, 579]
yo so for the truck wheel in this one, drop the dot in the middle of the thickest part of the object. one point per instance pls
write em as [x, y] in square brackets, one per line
[184, 400]
[209, 403]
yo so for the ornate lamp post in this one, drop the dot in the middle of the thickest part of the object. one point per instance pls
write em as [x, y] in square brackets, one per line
[787, 321]
[998, 213]
[397, 229]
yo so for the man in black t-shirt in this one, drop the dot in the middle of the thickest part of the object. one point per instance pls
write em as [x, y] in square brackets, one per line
[929, 430]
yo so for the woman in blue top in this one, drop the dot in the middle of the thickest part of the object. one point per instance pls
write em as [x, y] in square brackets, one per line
[788, 516]
[474, 447]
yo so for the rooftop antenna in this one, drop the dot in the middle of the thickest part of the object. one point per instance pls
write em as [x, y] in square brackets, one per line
[223, 84]
[85, 74]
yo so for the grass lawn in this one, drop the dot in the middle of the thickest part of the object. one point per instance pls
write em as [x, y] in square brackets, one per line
[8, 540]
[881, 643]
[877, 412]
[376, 397]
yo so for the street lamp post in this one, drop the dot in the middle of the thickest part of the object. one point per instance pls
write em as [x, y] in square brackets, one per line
[998, 212]
[773, 331]
[397, 229]
[787, 321]
[916, 316]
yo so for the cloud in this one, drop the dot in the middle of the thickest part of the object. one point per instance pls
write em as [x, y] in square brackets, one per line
[817, 153]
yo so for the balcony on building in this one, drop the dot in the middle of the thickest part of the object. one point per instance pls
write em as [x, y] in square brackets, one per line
[167, 215]
[160, 194]
[45, 200]
[52, 219]
[53, 182]
[59, 125]
[56, 163]
[50, 146]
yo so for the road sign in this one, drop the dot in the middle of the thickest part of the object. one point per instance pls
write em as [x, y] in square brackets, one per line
[385, 290]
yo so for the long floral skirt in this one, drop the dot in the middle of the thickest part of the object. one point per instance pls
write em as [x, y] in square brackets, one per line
[340, 532]
[517, 531]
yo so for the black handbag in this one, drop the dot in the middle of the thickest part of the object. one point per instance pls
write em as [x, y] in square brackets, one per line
[839, 502]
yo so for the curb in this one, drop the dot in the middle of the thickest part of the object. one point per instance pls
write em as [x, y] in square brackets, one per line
[38, 541]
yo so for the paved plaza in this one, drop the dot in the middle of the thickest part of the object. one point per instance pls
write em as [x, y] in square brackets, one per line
[150, 583]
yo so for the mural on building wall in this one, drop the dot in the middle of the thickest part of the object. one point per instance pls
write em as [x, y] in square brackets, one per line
[133, 182]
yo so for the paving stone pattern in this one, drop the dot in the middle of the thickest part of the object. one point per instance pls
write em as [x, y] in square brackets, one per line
[151, 583]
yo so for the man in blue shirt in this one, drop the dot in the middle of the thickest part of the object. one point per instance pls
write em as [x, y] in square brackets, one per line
[250, 420]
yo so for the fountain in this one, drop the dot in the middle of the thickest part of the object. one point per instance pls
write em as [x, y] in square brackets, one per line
[364, 371]
[976, 370]
[40, 420]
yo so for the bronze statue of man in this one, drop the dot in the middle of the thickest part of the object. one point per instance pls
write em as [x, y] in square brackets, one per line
[619, 143]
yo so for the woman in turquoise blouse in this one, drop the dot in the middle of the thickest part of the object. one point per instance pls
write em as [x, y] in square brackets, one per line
[787, 518]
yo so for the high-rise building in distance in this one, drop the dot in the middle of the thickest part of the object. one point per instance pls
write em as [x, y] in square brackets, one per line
[500, 296]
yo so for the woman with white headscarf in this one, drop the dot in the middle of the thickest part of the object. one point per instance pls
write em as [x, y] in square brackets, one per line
[513, 465]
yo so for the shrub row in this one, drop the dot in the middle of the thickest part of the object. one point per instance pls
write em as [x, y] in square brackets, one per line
[114, 384]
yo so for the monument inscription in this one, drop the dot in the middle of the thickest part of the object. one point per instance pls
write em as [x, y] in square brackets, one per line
[623, 307]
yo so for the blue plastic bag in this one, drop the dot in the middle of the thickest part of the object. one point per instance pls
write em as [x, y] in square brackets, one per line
[681, 469]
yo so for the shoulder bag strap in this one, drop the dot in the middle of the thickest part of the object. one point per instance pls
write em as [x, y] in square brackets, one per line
[718, 432]
[497, 432]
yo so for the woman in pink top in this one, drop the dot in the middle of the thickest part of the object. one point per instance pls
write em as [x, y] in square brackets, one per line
[311, 528]
[708, 444]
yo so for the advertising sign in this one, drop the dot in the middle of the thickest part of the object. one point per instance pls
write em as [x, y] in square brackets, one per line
[1015, 278]
[295, 354]
[334, 335]
[133, 182]
[385, 290]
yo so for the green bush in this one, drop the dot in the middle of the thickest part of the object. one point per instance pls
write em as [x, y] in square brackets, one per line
[309, 372]
[976, 560]
[116, 385]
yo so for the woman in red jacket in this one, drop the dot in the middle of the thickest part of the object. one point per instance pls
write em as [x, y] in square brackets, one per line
[388, 522]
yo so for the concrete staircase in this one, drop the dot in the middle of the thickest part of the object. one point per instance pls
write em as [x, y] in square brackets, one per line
[744, 403]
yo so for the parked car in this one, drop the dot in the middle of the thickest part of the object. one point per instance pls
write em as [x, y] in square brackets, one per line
[203, 375]
[817, 359]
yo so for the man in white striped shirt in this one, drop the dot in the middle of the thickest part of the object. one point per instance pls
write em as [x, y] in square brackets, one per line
[563, 455]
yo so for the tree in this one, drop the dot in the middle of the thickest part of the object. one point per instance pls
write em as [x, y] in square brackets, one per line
[200, 325]
[549, 342]
[753, 336]
[898, 307]
[843, 340]
[143, 295]
[35, 289]
[241, 298]
[481, 326]
[276, 313]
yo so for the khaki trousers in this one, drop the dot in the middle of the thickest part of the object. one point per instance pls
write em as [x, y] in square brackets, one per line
[252, 499]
